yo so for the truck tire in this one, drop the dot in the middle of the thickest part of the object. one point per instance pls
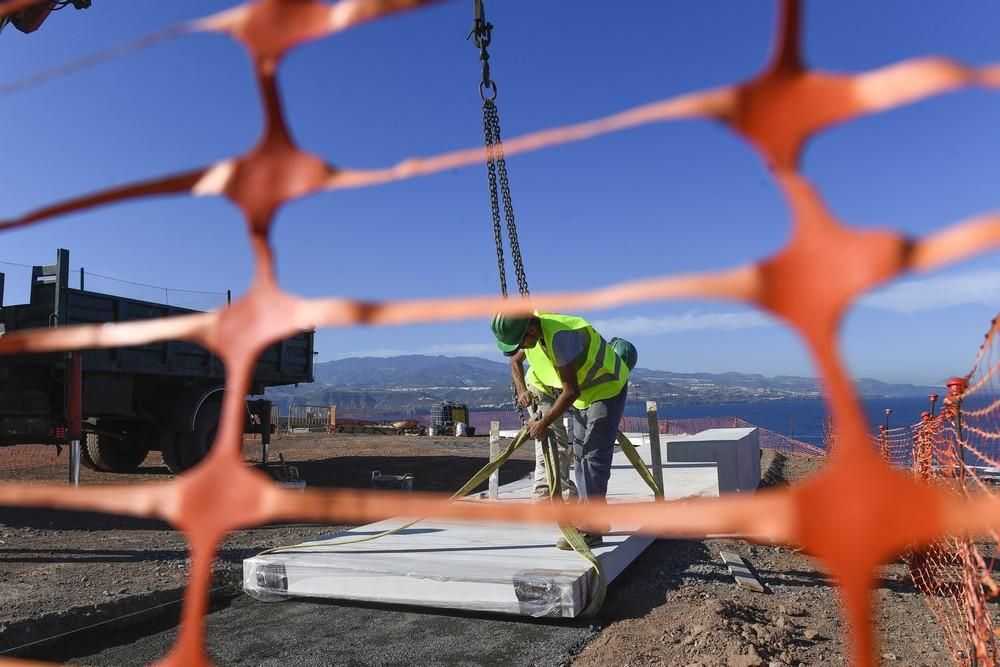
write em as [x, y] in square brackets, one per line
[86, 458]
[194, 445]
[115, 455]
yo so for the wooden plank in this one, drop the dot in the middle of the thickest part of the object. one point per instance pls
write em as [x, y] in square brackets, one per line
[744, 576]
[494, 451]
[654, 445]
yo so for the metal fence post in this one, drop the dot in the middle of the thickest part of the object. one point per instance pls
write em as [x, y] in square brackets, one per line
[918, 444]
[654, 446]
[74, 414]
[74, 462]
[494, 452]
[265, 429]
[956, 388]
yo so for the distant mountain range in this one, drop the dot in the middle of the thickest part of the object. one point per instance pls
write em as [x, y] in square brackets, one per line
[413, 383]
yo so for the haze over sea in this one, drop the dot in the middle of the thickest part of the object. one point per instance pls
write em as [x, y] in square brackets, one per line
[800, 419]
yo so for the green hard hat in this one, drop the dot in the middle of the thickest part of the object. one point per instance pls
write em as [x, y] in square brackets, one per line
[509, 332]
[626, 351]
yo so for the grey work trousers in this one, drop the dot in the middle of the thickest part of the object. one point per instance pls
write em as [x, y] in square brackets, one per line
[543, 403]
[595, 429]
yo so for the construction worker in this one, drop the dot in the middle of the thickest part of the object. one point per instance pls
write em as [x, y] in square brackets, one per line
[581, 370]
[532, 394]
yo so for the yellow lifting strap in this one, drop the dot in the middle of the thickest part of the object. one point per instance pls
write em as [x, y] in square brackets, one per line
[572, 535]
[477, 479]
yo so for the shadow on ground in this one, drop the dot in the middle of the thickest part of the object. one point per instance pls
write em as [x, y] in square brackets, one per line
[644, 585]
[442, 474]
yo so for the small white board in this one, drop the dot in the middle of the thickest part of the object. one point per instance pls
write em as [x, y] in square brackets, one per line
[744, 576]
[499, 568]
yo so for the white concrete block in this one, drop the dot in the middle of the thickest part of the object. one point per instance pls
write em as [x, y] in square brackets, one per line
[501, 568]
[735, 451]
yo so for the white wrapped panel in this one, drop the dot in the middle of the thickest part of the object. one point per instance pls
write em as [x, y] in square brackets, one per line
[499, 568]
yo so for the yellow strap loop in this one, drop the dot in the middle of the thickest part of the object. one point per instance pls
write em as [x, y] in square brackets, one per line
[640, 466]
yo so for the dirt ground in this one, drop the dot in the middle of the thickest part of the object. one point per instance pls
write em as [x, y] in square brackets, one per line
[62, 570]
[676, 605]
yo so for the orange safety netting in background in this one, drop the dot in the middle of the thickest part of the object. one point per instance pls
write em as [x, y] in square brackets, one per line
[952, 571]
[809, 285]
[895, 445]
[957, 449]
[768, 439]
[20, 457]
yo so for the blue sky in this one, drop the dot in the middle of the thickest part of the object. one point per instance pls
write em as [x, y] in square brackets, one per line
[663, 199]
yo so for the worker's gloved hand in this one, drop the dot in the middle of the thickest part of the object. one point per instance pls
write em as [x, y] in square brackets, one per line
[536, 429]
[524, 399]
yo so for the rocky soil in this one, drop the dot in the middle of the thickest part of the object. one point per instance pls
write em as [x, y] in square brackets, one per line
[64, 570]
[676, 605]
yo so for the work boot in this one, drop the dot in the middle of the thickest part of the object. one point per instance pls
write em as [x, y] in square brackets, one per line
[540, 494]
[592, 540]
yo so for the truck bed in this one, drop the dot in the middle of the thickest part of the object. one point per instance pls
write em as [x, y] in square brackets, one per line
[287, 362]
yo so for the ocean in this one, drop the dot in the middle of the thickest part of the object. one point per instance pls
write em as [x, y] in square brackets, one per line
[800, 419]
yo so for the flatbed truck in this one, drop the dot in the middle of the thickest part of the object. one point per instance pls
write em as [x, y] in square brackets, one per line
[129, 401]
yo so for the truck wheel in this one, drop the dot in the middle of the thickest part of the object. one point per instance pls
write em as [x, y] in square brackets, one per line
[194, 445]
[115, 455]
[86, 458]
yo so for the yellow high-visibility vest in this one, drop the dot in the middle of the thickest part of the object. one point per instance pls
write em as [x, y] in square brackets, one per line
[601, 375]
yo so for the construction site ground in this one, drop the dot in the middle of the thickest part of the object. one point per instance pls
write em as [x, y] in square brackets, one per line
[101, 590]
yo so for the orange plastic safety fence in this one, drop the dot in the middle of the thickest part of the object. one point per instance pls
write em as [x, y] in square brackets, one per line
[855, 515]
[969, 433]
[768, 439]
[23, 457]
[777, 441]
[957, 449]
[895, 445]
[951, 572]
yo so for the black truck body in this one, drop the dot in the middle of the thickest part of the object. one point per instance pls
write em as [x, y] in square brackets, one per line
[163, 396]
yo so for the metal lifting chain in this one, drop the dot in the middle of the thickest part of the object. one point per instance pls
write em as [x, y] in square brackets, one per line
[490, 116]
[496, 165]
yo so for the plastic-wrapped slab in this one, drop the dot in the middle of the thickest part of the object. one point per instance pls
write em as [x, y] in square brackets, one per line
[504, 568]
[499, 568]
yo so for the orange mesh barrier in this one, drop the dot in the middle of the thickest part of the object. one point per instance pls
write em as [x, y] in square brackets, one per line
[895, 445]
[20, 457]
[951, 571]
[855, 515]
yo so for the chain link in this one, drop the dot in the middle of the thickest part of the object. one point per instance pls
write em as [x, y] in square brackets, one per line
[496, 168]
[508, 207]
[491, 172]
